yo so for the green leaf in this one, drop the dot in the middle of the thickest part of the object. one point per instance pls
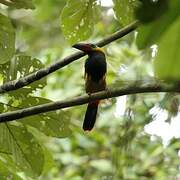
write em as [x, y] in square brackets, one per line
[26, 4]
[149, 33]
[6, 174]
[7, 39]
[26, 65]
[124, 10]
[8, 161]
[55, 123]
[78, 19]
[48, 156]
[26, 152]
[167, 61]
[49, 162]
[19, 67]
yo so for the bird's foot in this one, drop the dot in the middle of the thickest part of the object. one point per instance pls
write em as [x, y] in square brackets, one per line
[108, 91]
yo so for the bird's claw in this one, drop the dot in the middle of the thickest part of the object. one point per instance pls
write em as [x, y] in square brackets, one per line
[108, 91]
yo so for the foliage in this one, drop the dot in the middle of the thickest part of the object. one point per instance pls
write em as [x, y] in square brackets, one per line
[124, 7]
[7, 38]
[76, 17]
[118, 148]
[26, 4]
[151, 33]
[162, 64]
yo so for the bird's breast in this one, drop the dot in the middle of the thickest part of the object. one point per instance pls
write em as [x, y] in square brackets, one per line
[96, 67]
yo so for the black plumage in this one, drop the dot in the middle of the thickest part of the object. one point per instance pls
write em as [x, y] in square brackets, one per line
[95, 65]
[95, 79]
[90, 117]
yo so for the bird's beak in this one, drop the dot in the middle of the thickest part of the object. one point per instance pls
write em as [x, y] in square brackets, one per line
[83, 47]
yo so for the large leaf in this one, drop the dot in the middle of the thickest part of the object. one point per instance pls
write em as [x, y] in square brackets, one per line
[77, 19]
[124, 10]
[5, 173]
[26, 4]
[167, 61]
[26, 152]
[48, 156]
[55, 123]
[149, 34]
[7, 39]
[49, 162]
[19, 67]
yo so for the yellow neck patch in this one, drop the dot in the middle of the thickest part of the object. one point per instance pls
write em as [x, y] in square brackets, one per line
[98, 49]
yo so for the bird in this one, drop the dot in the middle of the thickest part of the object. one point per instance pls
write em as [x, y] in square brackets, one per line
[95, 79]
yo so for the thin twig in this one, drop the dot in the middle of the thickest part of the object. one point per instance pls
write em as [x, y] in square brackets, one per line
[131, 89]
[16, 84]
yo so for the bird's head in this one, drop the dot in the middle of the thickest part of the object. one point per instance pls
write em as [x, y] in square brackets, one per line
[87, 47]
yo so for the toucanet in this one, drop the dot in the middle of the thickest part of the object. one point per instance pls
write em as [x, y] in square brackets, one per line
[95, 79]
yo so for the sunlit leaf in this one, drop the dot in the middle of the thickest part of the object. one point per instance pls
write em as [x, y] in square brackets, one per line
[20, 66]
[124, 10]
[26, 152]
[26, 65]
[167, 61]
[48, 161]
[7, 39]
[78, 19]
[5, 173]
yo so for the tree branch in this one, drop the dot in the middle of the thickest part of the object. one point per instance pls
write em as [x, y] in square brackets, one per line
[7, 3]
[16, 84]
[131, 89]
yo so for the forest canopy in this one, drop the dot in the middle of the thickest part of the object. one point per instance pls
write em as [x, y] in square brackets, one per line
[43, 99]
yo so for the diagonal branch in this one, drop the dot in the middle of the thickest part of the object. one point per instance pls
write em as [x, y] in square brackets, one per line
[7, 3]
[16, 84]
[131, 89]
